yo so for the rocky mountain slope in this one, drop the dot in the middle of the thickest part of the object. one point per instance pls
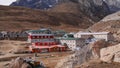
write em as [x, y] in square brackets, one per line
[95, 9]
[110, 23]
[18, 18]
[39, 4]
[114, 5]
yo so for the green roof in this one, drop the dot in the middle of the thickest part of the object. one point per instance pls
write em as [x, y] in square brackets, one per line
[41, 30]
[60, 31]
[68, 36]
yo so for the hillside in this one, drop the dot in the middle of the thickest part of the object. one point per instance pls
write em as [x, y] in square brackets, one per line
[95, 9]
[18, 18]
[68, 7]
[110, 23]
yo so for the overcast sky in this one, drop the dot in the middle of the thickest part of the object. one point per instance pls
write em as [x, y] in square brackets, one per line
[6, 2]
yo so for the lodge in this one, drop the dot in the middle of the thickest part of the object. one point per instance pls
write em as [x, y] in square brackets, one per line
[43, 41]
[7, 35]
[72, 43]
[98, 35]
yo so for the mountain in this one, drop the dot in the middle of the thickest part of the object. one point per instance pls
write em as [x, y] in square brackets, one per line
[114, 5]
[19, 18]
[110, 23]
[39, 4]
[95, 9]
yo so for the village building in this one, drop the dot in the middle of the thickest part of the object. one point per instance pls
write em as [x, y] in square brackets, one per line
[59, 33]
[13, 35]
[71, 42]
[96, 35]
[43, 41]
[1, 36]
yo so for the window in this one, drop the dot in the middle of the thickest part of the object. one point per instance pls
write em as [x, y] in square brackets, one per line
[41, 44]
[43, 36]
[45, 44]
[39, 36]
[35, 36]
[46, 36]
[51, 36]
[36, 43]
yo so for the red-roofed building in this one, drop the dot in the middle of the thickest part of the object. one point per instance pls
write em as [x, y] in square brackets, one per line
[43, 41]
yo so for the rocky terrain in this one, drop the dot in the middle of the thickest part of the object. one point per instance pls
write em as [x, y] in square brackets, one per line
[39, 4]
[98, 64]
[114, 5]
[99, 54]
[110, 23]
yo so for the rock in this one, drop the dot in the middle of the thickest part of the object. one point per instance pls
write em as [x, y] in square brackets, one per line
[117, 57]
[19, 63]
[110, 54]
[114, 16]
[96, 46]
[79, 57]
[83, 55]
[114, 5]
[108, 58]
[25, 65]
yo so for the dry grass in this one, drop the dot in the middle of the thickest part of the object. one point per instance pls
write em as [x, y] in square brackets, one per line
[17, 18]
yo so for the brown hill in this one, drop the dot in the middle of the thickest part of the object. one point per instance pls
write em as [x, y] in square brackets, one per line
[69, 7]
[18, 18]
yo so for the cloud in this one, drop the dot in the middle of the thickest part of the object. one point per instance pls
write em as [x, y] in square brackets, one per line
[6, 2]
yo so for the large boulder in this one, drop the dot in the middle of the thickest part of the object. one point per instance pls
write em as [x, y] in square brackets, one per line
[110, 54]
[117, 57]
[19, 63]
[96, 46]
[26, 65]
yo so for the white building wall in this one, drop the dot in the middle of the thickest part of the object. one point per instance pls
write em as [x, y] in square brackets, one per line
[73, 44]
[77, 35]
[70, 43]
[101, 36]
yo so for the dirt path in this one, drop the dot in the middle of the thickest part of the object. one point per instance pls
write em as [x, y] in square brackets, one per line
[49, 59]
